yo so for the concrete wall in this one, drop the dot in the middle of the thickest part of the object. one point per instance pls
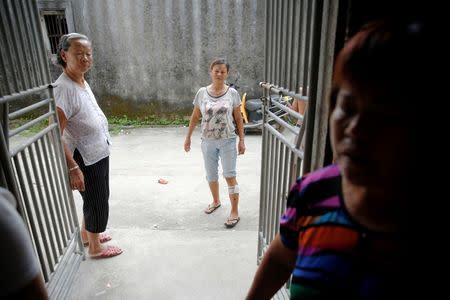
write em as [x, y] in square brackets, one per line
[151, 56]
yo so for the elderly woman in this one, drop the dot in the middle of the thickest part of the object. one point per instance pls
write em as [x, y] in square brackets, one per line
[346, 231]
[86, 141]
[219, 106]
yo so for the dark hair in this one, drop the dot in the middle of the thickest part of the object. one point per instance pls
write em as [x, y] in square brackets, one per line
[387, 57]
[219, 61]
[64, 44]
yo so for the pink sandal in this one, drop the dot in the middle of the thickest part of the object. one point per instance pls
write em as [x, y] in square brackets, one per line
[109, 251]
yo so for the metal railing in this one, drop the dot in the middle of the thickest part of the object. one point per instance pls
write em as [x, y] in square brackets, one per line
[282, 160]
[298, 63]
[33, 165]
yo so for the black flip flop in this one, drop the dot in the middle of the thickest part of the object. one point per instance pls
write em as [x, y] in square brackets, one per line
[233, 223]
[211, 208]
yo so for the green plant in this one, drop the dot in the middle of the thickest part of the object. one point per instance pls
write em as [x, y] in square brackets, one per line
[118, 124]
[16, 123]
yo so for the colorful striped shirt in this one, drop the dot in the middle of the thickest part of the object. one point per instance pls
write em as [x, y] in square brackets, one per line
[337, 257]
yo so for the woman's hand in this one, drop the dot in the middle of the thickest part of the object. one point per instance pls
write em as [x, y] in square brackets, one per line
[76, 178]
[241, 147]
[187, 144]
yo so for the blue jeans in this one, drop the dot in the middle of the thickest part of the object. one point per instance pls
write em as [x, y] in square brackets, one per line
[226, 150]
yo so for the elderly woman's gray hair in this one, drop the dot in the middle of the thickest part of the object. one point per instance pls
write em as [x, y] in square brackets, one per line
[219, 61]
[64, 44]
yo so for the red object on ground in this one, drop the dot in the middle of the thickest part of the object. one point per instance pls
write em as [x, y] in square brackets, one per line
[162, 181]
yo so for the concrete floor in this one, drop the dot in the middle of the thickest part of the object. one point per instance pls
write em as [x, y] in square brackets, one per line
[172, 249]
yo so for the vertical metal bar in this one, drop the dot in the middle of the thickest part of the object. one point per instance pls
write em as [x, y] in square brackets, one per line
[273, 42]
[297, 162]
[57, 192]
[279, 197]
[54, 21]
[61, 281]
[275, 17]
[44, 168]
[5, 123]
[309, 34]
[3, 182]
[267, 42]
[329, 15]
[274, 196]
[266, 190]
[64, 26]
[63, 187]
[59, 19]
[278, 43]
[312, 34]
[41, 208]
[269, 188]
[312, 94]
[299, 171]
[50, 26]
[301, 42]
[283, 48]
[45, 70]
[289, 31]
[30, 197]
[296, 45]
[34, 47]
[291, 172]
[65, 217]
[4, 59]
[284, 179]
[271, 61]
[262, 184]
[11, 65]
[30, 50]
[268, 45]
[56, 29]
[20, 47]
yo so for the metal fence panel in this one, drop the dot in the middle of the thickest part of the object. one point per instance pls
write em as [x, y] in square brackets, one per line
[33, 165]
[298, 65]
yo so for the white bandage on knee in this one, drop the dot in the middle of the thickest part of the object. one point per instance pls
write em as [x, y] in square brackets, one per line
[233, 189]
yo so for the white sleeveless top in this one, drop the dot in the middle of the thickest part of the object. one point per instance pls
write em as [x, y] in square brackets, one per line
[87, 127]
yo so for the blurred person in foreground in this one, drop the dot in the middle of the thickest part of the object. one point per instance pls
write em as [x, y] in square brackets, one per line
[21, 276]
[346, 231]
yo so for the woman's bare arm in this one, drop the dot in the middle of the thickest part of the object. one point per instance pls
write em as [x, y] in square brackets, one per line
[276, 267]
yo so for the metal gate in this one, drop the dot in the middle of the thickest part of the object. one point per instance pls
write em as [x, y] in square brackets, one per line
[298, 63]
[33, 165]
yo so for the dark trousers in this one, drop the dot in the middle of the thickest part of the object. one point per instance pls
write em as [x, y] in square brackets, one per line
[96, 194]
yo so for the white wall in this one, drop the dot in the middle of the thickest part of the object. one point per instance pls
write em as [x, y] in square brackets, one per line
[153, 55]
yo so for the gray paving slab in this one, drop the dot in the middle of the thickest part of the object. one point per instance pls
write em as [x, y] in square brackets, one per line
[172, 250]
